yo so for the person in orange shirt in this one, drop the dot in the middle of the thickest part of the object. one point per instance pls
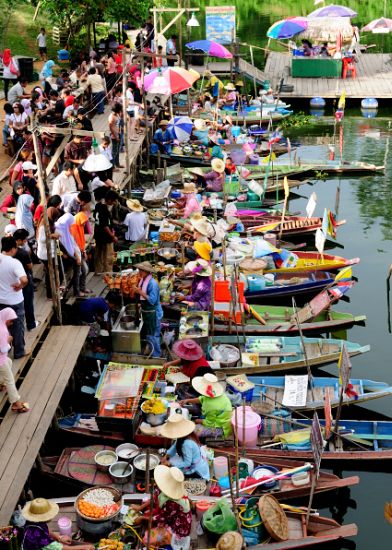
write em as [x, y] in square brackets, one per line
[158, 61]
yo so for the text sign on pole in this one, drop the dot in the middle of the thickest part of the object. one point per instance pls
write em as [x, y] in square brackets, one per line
[220, 24]
[316, 439]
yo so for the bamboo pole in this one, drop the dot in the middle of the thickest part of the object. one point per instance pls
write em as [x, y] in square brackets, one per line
[237, 483]
[126, 133]
[51, 269]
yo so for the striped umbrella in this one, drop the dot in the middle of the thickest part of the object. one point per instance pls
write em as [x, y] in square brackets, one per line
[287, 27]
[181, 127]
[171, 80]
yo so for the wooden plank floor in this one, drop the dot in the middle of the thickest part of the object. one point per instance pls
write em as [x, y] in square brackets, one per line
[374, 78]
[22, 435]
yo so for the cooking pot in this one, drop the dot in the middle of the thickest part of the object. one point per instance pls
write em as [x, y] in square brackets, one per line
[127, 322]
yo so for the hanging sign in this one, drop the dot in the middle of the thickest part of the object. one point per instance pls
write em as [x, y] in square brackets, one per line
[220, 24]
[295, 390]
[316, 439]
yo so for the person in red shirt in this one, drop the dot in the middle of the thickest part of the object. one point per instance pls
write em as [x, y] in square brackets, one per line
[67, 97]
[118, 59]
[191, 358]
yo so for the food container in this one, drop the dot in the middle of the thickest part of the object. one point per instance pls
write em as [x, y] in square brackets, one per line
[127, 451]
[65, 526]
[127, 322]
[102, 464]
[140, 462]
[299, 479]
[97, 526]
[227, 355]
[121, 472]
[169, 255]
[152, 418]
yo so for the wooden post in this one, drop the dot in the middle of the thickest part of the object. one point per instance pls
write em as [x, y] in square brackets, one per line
[145, 115]
[126, 134]
[254, 75]
[237, 481]
[41, 185]
[179, 50]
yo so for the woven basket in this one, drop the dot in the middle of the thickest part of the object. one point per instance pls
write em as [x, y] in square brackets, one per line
[116, 497]
[274, 518]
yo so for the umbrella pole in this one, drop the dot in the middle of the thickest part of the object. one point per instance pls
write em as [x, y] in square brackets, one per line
[171, 106]
[202, 78]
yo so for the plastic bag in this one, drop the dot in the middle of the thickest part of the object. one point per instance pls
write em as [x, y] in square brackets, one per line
[219, 518]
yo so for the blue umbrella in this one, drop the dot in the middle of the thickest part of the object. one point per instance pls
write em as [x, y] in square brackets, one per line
[181, 127]
[287, 28]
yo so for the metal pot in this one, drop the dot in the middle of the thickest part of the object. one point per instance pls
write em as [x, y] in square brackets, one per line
[104, 467]
[127, 322]
[140, 462]
[121, 472]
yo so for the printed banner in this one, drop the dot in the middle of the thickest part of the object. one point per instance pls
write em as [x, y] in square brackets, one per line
[295, 391]
[220, 24]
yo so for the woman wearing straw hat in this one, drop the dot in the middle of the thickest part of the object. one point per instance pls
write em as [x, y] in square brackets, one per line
[230, 96]
[151, 308]
[200, 297]
[36, 534]
[185, 452]
[171, 514]
[216, 408]
[215, 178]
[136, 222]
[192, 205]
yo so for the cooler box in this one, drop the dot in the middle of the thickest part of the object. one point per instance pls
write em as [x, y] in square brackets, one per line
[223, 292]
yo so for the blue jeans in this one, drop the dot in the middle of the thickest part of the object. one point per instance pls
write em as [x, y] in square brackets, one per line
[17, 330]
[98, 102]
[6, 134]
[155, 340]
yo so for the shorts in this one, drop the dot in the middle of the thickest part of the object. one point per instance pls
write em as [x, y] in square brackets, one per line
[131, 114]
[43, 50]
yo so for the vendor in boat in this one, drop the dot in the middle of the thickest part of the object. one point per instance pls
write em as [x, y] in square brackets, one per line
[162, 136]
[214, 85]
[185, 453]
[216, 408]
[36, 533]
[307, 47]
[203, 249]
[267, 96]
[200, 132]
[214, 179]
[190, 357]
[230, 97]
[202, 227]
[230, 167]
[192, 205]
[151, 308]
[171, 514]
[136, 222]
[200, 297]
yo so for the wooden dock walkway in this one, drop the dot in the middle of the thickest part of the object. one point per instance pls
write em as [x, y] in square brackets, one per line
[374, 78]
[21, 435]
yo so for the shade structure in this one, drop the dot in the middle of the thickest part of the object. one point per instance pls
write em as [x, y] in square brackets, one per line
[379, 26]
[181, 127]
[213, 49]
[328, 29]
[286, 28]
[171, 80]
[333, 10]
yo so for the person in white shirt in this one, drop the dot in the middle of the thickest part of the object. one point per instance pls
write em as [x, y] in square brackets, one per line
[41, 40]
[97, 86]
[106, 148]
[171, 49]
[18, 92]
[136, 222]
[64, 183]
[12, 280]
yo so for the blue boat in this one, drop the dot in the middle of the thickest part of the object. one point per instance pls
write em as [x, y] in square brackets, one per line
[270, 389]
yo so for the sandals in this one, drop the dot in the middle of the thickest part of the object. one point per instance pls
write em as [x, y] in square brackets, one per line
[23, 409]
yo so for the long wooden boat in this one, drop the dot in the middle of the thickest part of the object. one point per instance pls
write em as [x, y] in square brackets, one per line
[56, 469]
[292, 284]
[271, 388]
[257, 171]
[320, 530]
[364, 440]
[254, 117]
[263, 354]
[314, 261]
[291, 226]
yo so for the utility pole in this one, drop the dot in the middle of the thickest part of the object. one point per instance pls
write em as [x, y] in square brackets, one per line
[124, 91]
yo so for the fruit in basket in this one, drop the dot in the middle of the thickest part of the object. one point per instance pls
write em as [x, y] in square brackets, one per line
[111, 544]
[98, 504]
[154, 406]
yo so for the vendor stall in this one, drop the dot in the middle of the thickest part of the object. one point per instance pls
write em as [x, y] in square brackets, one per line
[316, 67]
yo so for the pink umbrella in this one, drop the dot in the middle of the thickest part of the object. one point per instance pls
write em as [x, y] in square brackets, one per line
[171, 80]
[211, 48]
[379, 26]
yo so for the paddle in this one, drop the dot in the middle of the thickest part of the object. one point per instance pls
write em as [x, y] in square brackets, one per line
[388, 298]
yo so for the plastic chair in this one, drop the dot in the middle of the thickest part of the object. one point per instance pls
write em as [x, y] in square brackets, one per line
[349, 67]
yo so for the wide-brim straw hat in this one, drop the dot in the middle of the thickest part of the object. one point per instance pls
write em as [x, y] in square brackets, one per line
[176, 426]
[230, 86]
[146, 266]
[203, 249]
[170, 481]
[202, 226]
[197, 171]
[194, 267]
[199, 124]
[218, 165]
[230, 541]
[227, 118]
[134, 204]
[40, 510]
[163, 123]
[189, 188]
[208, 385]
[187, 349]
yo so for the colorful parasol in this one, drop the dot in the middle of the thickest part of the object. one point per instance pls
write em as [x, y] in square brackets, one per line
[379, 26]
[333, 10]
[213, 49]
[181, 127]
[286, 28]
[171, 80]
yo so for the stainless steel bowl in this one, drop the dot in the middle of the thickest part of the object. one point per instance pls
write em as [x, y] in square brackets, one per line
[104, 467]
[121, 472]
[140, 462]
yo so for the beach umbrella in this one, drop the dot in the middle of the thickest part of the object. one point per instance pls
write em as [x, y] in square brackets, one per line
[181, 127]
[379, 26]
[286, 28]
[333, 10]
[211, 48]
[168, 81]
